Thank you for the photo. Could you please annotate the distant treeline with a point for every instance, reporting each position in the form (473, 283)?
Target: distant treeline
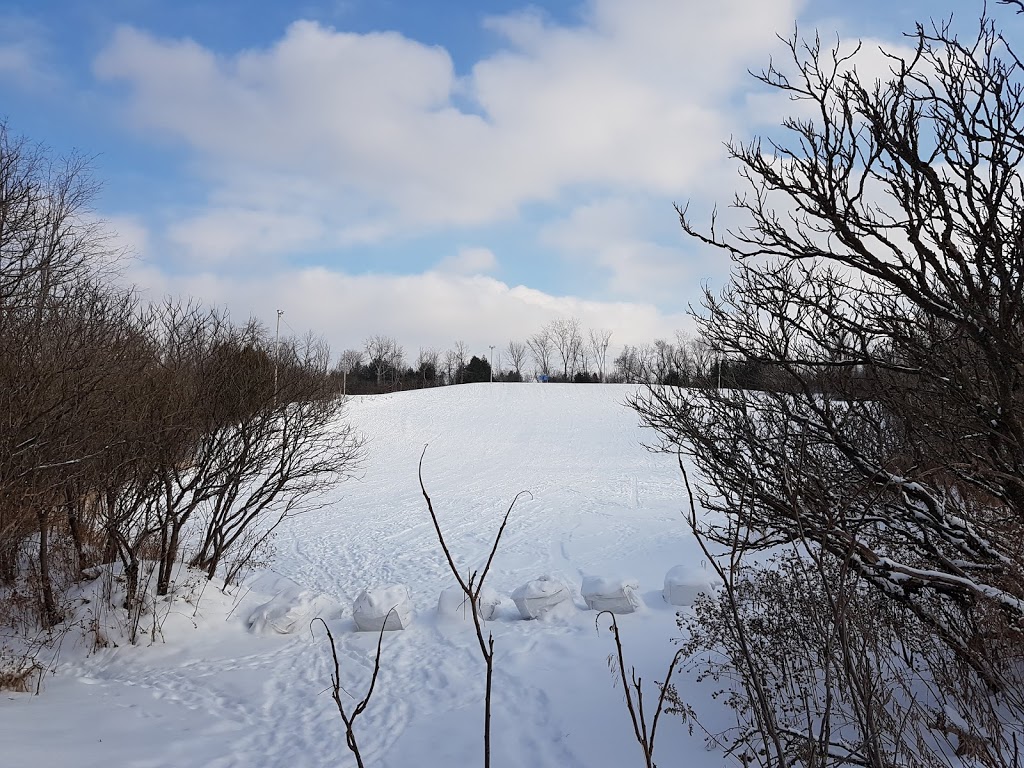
(561, 353)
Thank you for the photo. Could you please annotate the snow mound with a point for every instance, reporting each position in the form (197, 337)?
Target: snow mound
(615, 595)
(291, 610)
(453, 604)
(541, 596)
(683, 583)
(386, 607)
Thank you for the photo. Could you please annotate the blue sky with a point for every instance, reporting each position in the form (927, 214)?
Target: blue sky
(429, 169)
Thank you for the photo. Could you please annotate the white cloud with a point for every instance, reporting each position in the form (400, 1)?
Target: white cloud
(231, 235)
(127, 235)
(16, 61)
(469, 261)
(371, 126)
(25, 53)
(430, 309)
(328, 139)
(605, 233)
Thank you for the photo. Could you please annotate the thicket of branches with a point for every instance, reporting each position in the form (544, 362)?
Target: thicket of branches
(147, 435)
(879, 279)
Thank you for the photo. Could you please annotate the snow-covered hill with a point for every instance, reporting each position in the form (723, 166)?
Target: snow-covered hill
(215, 694)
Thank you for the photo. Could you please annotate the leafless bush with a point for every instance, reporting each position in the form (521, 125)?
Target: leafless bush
(349, 719)
(633, 691)
(125, 425)
(61, 334)
(876, 295)
(820, 671)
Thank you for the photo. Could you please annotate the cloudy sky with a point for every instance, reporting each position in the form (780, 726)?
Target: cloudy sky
(428, 169)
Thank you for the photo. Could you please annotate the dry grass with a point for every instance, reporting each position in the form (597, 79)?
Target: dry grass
(21, 674)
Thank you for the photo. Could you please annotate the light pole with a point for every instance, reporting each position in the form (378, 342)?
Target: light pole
(492, 362)
(277, 351)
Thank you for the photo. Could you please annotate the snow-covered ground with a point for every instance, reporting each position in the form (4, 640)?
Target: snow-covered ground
(213, 693)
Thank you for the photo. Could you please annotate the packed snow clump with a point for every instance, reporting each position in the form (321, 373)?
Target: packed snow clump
(683, 583)
(453, 604)
(615, 595)
(388, 606)
(291, 610)
(541, 596)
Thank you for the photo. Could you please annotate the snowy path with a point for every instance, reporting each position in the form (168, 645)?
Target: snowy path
(601, 505)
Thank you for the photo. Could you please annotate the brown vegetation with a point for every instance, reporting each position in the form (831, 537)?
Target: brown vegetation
(143, 435)
(878, 280)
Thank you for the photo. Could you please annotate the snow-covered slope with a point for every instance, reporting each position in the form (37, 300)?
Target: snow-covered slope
(600, 505)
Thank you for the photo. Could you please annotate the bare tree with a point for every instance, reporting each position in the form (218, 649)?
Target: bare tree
(566, 339)
(541, 347)
(58, 375)
(385, 355)
(461, 361)
(349, 362)
(133, 433)
(426, 365)
(701, 357)
(667, 363)
(47, 240)
(397, 365)
(60, 334)
(599, 341)
(276, 460)
(627, 366)
(884, 307)
(516, 351)
(451, 366)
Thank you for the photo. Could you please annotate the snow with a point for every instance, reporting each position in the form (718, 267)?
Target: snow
(615, 595)
(291, 610)
(207, 691)
(386, 607)
(454, 604)
(543, 597)
(683, 583)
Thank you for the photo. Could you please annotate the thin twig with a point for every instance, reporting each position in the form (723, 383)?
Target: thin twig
(336, 687)
(643, 737)
(473, 588)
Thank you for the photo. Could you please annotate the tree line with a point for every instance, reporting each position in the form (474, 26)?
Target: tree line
(559, 352)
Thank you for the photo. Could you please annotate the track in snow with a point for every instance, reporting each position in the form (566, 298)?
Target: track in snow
(601, 504)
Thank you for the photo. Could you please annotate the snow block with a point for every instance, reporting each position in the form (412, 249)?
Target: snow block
(683, 584)
(615, 595)
(290, 611)
(538, 597)
(453, 604)
(388, 607)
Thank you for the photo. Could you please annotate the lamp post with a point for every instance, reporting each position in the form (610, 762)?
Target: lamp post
(492, 362)
(277, 351)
